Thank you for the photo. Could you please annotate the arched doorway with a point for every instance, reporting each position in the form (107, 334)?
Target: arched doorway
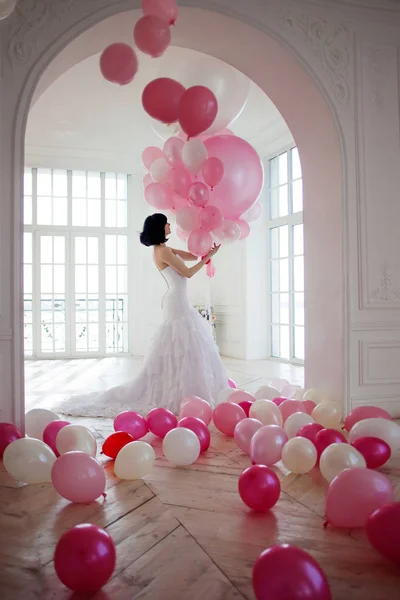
(301, 100)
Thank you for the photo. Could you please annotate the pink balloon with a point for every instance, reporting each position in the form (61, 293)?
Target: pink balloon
(85, 558)
(196, 407)
(259, 488)
(131, 422)
(213, 171)
(289, 407)
(243, 177)
(78, 477)
(226, 416)
(246, 404)
(147, 179)
(173, 151)
(161, 421)
(150, 154)
(161, 99)
(383, 531)
(375, 451)
(210, 269)
(181, 234)
(8, 434)
(308, 406)
(310, 431)
(180, 181)
(159, 196)
(284, 572)
(164, 9)
(244, 229)
(241, 396)
(210, 218)
(197, 110)
(354, 495)
(198, 194)
(152, 35)
(188, 218)
(266, 445)
(244, 432)
(365, 412)
(199, 428)
(279, 401)
(50, 434)
(232, 384)
(178, 203)
(119, 63)
(199, 243)
(326, 437)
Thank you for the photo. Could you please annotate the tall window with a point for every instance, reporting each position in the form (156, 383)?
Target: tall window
(75, 263)
(286, 256)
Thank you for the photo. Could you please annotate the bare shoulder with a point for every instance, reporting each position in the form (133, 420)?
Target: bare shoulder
(163, 251)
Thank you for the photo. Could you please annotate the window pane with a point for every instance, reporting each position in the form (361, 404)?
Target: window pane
(296, 166)
(274, 204)
(27, 247)
(28, 279)
(27, 210)
(46, 279)
(122, 187)
(283, 201)
(93, 279)
(111, 279)
(80, 280)
(44, 211)
(59, 338)
(28, 182)
(122, 214)
(298, 273)
(111, 249)
(284, 342)
(111, 186)
(59, 279)
(78, 184)
(111, 213)
(80, 251)
(79, 212)
(274, 276)
(59, 249)
(275, 308)
(284, 275)
(60, 185)
(299, 343)
(284, 241)
(283, 168)
(94, 185)
(273, 172)
(122, 280)
(298, 248)
(122, 249)
(275, 340)
(44, 182)
(299, 308)
(284, 308)
(46, 249)
(297, 196)
(93, 251)
(60, 211)
(94, 213)
(274, 242)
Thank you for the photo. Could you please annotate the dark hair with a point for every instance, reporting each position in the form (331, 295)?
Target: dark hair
(153, 232)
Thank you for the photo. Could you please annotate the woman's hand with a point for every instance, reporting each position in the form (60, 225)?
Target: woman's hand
(213, 251)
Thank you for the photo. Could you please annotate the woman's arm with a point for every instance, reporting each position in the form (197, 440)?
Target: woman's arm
(168, 257)
(184, 255)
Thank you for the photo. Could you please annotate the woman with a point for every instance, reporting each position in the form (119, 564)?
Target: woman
(183, 359)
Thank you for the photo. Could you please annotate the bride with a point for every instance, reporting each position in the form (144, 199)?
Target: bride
(183, 359)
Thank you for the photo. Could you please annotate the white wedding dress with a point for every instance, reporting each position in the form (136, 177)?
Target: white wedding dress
(183, 361)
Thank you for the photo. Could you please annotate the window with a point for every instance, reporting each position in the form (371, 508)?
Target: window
(286, 256)
(75, 263)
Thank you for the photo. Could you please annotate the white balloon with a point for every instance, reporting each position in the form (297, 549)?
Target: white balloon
(36, 421)
(267, 412)
(290, 391)
(299, 394)
(338, 457)
(135, 460)
(299, 455)
(253, 213)
(224, 395)
(163, 130)
(159, 170)
(295, 422)
(388, 431)
(29, 460)
(181, 446)
(6, 8)
(278, 383)
(194, 154)
(316, 396)
(266, 392)
(76, 437)
(328, 414)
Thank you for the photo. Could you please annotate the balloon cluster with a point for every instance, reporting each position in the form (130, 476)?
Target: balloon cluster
(152, 36)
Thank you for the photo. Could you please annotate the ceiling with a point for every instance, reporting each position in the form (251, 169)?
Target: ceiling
(82, 121)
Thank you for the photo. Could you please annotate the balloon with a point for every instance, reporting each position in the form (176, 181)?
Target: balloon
(29, 460)
(365, 412)
(152, 35)
(354, 495)
(266, 392)
(194, 154)
(232, 384)
(199, 243)
(151, 154)
(308, 406)
(178, 203)
(173, 151)
(279, 383)
(259, 488)
(76, 437)
(375, 451)
(78, 477)
(383, 531)
(8, 434)
(246, 404)
(161, 421)
(266, 445)
(115, 442)
(295, 422)
(388, 431)
(119, 63)
(158, 196)
(326, 437)
(289, 407)
(310, 431)
(278, 401)
(244, 432)
(244, 229)
(84, 558)
(284, 572)
(199, 428)
(197, 110)
(210, 269)
(226, 416)
(132, 423)
(181, 446)
(182, 235)
(210, 218)
(267, 412)
(6, 8)
(198, 194)
(243, 175)
(196, 407)
(159, 170)
(147, 179)
(299, 455)
(134, 461)
(228, 233)
(253, 213)
(241, 396)
(180, 181)
(165, 130)
(164, 9)
(293, 391)
(338, 457)
(161, 99)
(316, 395)
(188, 218)
(51, 432)
(36, 421)
(213, 171)
(328, 414)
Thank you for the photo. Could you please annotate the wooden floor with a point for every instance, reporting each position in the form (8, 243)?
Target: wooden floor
(181, 534)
